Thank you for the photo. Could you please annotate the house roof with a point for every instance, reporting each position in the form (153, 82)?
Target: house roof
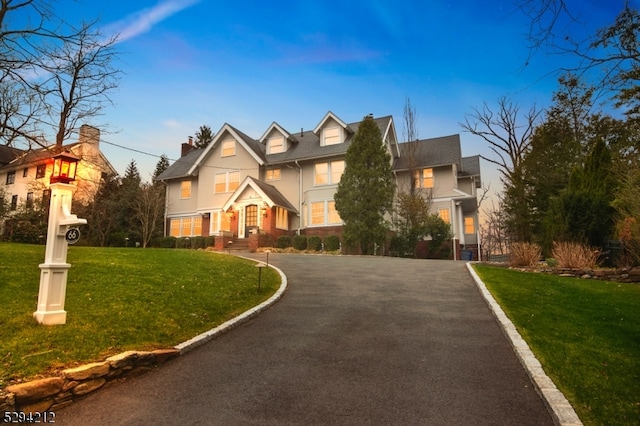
(471, 166)
(8, 154)
(429, 152)
(307, 144)
(268, 193)
(180, 168)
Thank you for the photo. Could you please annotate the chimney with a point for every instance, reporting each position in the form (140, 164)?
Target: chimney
(89, 135)
(187, 147)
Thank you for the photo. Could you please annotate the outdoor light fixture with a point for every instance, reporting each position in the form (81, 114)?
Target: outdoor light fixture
(65, 165)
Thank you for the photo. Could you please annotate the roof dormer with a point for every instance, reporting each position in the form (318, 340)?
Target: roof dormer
(331, 130)
(276, 139)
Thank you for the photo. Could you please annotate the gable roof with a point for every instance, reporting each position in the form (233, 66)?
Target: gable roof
(268, 193)
(432, 152)
(252, 146)
(276, 126)
(308, 146)
(326, 117)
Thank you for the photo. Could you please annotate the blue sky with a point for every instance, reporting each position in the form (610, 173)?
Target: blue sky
(192, 62)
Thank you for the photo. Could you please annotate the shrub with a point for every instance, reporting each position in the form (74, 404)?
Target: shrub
(524, 254)
(283, 241)
(331, 243)
(575, 255)
(314, 243)
(266, 240)
(300, 242)
(198, 243)
(163, 242)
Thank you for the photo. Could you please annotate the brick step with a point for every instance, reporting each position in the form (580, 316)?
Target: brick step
(239, 245)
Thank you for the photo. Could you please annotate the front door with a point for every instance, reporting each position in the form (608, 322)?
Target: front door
(250, 218)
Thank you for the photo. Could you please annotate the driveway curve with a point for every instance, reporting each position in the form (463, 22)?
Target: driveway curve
(354, 341)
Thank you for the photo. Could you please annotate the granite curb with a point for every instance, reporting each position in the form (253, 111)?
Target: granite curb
(56, 392)
(559, 407)
(203, 338)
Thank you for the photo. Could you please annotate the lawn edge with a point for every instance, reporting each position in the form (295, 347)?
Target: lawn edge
(207, 336)
(557, 404)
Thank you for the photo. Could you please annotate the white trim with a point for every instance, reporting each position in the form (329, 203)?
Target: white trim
(216, 139)
(277, 127)
(327, 116)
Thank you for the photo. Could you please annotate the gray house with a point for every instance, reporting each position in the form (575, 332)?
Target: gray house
(284, 182)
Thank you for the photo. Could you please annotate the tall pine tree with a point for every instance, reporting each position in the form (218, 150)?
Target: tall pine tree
(366, 189)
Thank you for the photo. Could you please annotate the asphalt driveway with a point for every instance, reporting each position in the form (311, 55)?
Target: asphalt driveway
(354, 341)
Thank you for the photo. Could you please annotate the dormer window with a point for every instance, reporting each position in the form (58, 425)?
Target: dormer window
(275, 145)
(331, 136)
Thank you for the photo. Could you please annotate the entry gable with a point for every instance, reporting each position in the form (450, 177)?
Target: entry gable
(266, 193)
(250, 145)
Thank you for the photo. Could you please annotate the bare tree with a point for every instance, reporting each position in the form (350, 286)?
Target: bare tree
(409, 150)
(507, 133)
(56, 74)
(148, 208)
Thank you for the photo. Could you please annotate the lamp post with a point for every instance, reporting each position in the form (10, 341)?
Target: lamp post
(53, 272)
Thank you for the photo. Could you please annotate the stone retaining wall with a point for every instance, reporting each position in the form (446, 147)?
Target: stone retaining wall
(52, 393)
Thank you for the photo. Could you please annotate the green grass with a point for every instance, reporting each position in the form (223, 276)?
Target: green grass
(586, 334)
(118, 299)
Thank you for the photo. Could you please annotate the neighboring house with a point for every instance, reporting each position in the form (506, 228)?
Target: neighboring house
(285, 182)
(24, 174)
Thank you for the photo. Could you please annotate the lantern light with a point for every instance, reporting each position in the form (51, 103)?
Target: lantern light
(64, 167)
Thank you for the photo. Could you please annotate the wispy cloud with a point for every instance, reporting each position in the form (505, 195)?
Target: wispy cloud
(144, 20)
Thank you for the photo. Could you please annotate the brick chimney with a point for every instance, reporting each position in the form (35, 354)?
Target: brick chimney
(89, 135)
(187, 147)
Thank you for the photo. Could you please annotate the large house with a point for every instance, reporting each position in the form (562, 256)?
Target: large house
(284, 182)
(24, 174)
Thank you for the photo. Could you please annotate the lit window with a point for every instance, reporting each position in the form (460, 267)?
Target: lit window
(175, 228)
(331, 136)
(317, 213)
(273, 174)
(228, 148)
(282, 218)
(469, 225)
(276, 144)
(427, 178)
(234, 181)
(227, 182)
(333, 215)
(185, 189)
(197, 226)
(337, 168)
(329, 173)
(322, 174)
(186, 227)
(444, 215)
(225, 222)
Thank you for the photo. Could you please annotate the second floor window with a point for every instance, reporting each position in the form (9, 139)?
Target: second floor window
(41, 171)
(226, 182)
(14, 202)
(424, 178)
(29, 199)
(11, 177)
(273, 174)
(329, 173)
(185, 189)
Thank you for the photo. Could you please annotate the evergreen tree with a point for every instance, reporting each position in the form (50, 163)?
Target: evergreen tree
(129, 194)
(366, 189)
(204, 136)
(161, 166)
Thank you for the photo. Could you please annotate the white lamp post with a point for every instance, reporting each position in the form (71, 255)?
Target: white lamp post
(53, 275)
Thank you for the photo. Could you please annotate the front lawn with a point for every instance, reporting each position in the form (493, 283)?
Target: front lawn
(586, 334)
(119, 299)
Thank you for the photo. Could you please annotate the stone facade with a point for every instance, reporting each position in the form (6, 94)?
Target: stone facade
(55, 392)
